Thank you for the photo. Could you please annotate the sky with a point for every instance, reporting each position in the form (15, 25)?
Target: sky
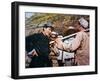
(28, 14)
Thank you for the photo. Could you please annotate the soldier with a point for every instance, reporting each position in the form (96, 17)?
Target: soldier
(54, 51)
(37, 46)
(80, 44)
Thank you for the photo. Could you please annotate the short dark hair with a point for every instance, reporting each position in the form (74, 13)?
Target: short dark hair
(48, 26)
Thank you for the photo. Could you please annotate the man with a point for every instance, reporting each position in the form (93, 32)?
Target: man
(37, 46)
(80, 44)
(54, 51)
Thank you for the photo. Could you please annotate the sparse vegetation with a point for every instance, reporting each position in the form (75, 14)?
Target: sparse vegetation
(61, 22)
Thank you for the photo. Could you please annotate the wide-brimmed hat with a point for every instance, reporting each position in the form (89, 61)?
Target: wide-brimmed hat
(54, 34)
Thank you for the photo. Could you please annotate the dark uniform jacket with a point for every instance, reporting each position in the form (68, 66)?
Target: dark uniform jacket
(40, 43)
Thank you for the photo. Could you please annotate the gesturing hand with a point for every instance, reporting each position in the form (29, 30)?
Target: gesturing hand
(34, 53)
(59, 42)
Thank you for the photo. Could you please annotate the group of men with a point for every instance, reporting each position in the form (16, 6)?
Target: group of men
(38, 45)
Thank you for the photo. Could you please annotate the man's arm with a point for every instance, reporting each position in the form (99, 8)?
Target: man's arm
(30, 46)
(73, 46)
(76, 42)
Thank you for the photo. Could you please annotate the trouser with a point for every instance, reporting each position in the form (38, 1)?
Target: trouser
(82, 59)
(60, 63)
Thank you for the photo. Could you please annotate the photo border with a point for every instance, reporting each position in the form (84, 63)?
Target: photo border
(15, 39)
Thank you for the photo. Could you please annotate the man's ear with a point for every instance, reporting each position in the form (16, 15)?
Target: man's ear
(43, 29)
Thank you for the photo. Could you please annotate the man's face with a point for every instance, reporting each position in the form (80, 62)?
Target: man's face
(77, 26)
(48, 30)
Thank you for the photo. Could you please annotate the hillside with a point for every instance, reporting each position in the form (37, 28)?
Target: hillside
(61, 22)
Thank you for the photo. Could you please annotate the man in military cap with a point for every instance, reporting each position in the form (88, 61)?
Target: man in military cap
(80, 44)
(54, 50)
(37, 46)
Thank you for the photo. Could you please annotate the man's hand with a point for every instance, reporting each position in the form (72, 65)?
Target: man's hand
(34, 53)
(58, 40)
(59, 43)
